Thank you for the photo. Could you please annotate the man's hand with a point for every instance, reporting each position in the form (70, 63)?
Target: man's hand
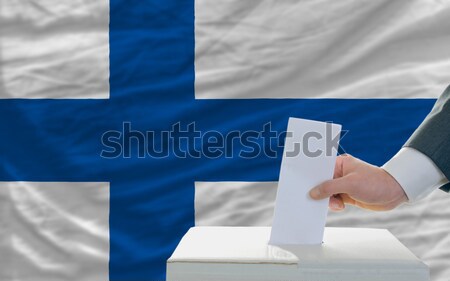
(361, 184)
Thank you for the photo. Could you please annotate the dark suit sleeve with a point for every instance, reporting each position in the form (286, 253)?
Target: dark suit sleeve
(432, 138)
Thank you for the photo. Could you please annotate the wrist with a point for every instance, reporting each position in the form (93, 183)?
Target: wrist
(397, 195)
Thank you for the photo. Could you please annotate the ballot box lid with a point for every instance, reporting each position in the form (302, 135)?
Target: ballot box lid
(344, 251)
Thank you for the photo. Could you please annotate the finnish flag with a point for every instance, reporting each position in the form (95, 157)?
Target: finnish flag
(71, 71)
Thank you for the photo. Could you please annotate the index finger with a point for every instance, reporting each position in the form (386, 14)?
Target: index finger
(331, 187)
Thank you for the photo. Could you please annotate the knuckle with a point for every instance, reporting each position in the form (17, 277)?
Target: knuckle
(346, 159)
(326, 189)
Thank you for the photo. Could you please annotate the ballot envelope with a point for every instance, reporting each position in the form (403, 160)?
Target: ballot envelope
(244, 254)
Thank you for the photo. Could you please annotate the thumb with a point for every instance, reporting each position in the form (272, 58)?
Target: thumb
(328, 188)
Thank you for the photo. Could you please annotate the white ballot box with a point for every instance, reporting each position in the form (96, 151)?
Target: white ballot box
(243, 254)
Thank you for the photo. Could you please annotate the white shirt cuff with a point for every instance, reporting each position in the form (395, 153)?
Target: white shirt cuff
(415, 172)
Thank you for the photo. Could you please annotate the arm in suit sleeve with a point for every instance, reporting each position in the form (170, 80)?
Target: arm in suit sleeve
(423, 164)
(432, 138)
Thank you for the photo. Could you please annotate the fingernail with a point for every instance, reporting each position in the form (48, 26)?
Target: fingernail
(335, 205)
(314, 193)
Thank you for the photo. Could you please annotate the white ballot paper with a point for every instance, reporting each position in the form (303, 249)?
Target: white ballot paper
(308, 159)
